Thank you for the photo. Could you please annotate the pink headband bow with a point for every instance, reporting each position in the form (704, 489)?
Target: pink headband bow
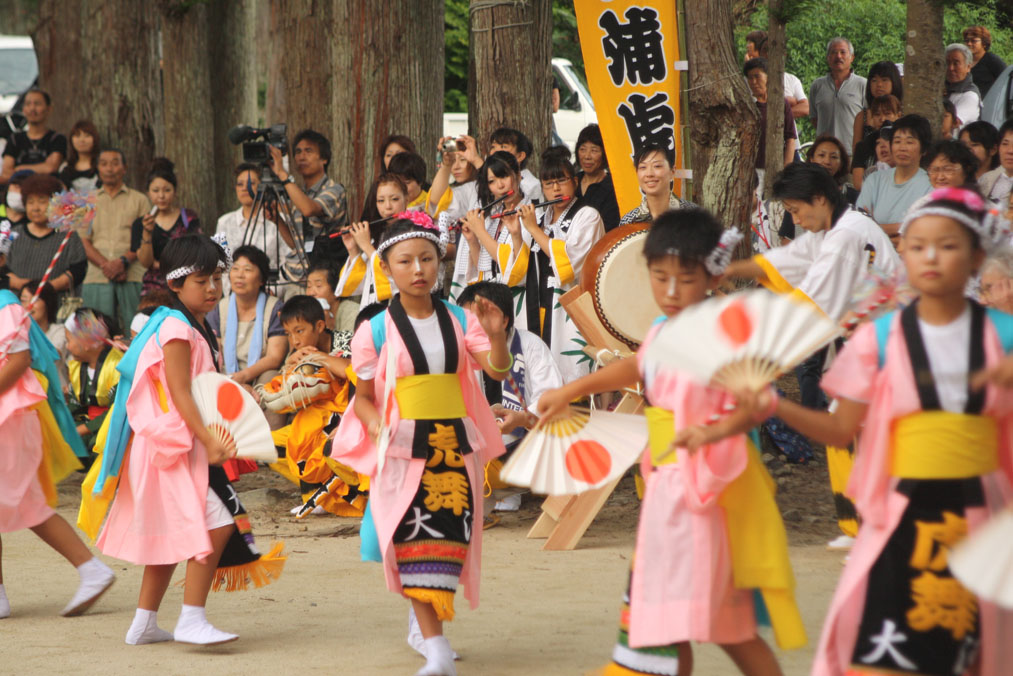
(968, 198)
(419, 218)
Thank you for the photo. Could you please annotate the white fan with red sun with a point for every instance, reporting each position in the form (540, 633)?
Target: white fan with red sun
(233, 416)
(576, 452)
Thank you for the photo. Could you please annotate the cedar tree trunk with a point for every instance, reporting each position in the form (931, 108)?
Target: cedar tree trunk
(510, 70)
(925, 63)
(774, 161)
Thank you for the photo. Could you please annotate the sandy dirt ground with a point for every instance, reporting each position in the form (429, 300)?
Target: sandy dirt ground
(541, 612)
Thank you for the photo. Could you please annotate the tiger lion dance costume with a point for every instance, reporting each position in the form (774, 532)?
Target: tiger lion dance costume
(317, 399)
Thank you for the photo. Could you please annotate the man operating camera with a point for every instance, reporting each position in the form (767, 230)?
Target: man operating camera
(321, 204)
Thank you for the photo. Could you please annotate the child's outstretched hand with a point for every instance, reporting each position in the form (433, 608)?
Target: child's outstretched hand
(692, 438)
(1001, 375)
(490, 317)
(552, 404)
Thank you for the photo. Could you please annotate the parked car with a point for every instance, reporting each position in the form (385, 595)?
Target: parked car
(576, 109)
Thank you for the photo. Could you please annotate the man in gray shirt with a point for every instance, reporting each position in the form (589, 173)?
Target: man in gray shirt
(837, 97)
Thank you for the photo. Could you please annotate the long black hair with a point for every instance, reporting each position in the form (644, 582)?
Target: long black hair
(501, 164)
(806, 182)
(203, 254)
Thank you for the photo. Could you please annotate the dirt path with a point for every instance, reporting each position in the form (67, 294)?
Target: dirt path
(542, 613)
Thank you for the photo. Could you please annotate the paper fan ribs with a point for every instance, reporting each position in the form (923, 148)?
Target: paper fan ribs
(742, 341)
(233, 416)
(576, 452)
(984, 561)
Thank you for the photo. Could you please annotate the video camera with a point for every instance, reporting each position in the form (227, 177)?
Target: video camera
(256, 151)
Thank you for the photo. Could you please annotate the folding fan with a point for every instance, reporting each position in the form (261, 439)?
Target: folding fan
(742, 341)
(576, 452)
(984, 561)
(233, 416)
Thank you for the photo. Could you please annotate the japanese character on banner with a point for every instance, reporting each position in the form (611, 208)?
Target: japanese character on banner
(635, 48)
(648, 120)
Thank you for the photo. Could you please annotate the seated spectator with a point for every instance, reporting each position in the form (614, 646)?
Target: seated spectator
(248, 321)
(983, 140)
(829, 153)
(794, 92)
(81, 170)
(997, 281)
(239, 230)
(92, 373)
(960, 87)
(148, 304)
(883, 110)
(986, 66)
(884, 155)
(951, 123)
(887, 194)
(303, 321)
(594, 181)
(756, 78)
(655, 174)
(320, 283)
(12, 212)
(391, 146)
(44, 314)
(995, 185)
(884, 80)
(321, 203)
(36, 242)
(951, 163)
(411, 168)
(150, 233)
(38, 148)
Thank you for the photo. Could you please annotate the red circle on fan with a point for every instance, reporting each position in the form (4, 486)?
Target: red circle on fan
(736, 323)
(230, 401)
(588, 461)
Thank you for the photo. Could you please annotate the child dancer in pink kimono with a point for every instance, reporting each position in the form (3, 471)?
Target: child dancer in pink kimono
(934, 460)
(165, 511)
(692, 577)
(26, 471)
(416, 386)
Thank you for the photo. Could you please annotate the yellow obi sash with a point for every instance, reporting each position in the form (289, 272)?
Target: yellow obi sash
(430, 397)
(660, 435)
(944, 445)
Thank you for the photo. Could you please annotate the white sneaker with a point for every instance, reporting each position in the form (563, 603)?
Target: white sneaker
(841, 542)
(509, 504)
(96, 578)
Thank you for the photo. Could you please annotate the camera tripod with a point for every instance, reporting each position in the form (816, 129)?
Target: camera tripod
(272, 198)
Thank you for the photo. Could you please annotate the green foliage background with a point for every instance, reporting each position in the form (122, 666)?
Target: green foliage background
(875, 27)
(455, 93)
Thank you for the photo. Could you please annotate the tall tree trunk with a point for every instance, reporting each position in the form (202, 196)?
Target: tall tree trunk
(391, 61)
(510, 69)
(925, 63)
(99, 59)
(774, 162)
(388, 63)
(234, 55)
(725, 130)
(189, 122)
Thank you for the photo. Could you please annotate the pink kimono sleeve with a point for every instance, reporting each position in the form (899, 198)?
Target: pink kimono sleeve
(709, 471)
(853, 373)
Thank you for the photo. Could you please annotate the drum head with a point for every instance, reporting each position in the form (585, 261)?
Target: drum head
(616, 276)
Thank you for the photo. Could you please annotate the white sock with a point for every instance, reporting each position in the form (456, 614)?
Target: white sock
(144, 629)
(193, 627)
(415, 638)
(439, 658)
(5, 605)
(96, 578)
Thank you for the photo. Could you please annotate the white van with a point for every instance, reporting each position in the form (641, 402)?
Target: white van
(18, 69)
(576, 110)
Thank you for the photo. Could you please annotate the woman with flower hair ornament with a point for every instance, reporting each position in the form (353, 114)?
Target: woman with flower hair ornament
(420, 427)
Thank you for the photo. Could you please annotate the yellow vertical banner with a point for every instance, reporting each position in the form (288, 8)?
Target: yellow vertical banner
(631, 53)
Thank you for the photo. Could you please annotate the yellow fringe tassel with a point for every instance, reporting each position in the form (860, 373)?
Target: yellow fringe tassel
(258, 573)
(441, 601)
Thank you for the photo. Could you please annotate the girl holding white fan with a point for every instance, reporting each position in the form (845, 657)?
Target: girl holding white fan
(934, 458)
(173, 501)
(694, 574)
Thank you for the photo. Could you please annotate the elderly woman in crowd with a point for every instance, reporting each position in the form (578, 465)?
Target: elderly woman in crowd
(986, 66)
(997, 281)
(951, 163)
(960, 88)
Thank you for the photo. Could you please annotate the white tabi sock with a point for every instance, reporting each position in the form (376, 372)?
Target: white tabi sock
(193, 627)
(96, 578)
(439, 658)
(144, 629)
(5, 605)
